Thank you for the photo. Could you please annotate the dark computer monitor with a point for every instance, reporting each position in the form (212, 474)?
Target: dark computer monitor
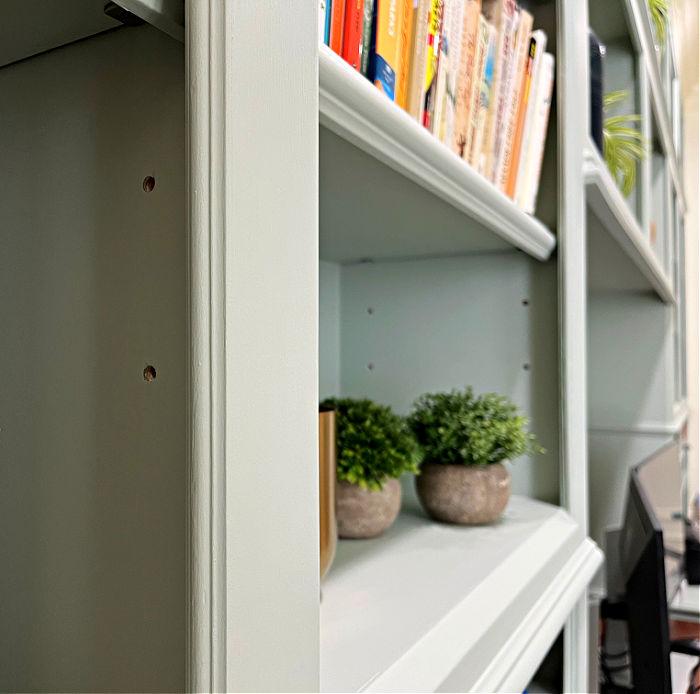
(643, 573)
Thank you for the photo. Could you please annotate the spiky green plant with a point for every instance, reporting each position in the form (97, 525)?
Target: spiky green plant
(659, 10)
(623, 144)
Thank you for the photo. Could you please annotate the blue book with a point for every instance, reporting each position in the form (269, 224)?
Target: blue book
(327, 34)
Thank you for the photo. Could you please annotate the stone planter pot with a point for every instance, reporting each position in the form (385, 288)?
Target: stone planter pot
(362, 513)
(462, 494)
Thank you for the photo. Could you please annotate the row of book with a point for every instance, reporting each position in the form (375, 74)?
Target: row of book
(473, 72)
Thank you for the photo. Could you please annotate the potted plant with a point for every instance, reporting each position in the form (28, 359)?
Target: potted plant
(464, 440)
(375, 447)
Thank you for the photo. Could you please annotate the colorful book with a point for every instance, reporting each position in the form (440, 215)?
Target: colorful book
(335, 40)
(432, 58)
(513, 88)
(443, 69)
(522, 113)
(541, 39)
(502, 14)
(527, 196)
(352, 33)
(470, 26)
(482, 44)
(485, 93)
(419, 47)
(384, 61)
(404, 52)
(454, 41)
(328, 14)
(368, 14)
(322, 7)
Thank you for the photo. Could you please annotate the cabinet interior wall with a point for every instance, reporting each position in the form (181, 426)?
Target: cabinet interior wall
(384, 335)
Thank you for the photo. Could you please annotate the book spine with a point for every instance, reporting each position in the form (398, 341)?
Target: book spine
(327, 30)
(470, 26)
(416, 80)
(455, 55)
(520, 180)
(337, 17)
(520, 58)
(368, 14)
(404, 51)
(510, 25)
(477, 76)
(352, 32)
(443, 69)
(322, 7)
(386, 52)
(528, 199)
(520, 120)
(502, 14)
(477, 157)
(432, 57)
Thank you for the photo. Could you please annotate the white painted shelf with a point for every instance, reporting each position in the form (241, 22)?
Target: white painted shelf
(357, 190)
(607, 204)
(429, 606)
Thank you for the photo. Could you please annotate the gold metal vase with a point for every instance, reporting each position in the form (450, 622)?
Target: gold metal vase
(326, 481)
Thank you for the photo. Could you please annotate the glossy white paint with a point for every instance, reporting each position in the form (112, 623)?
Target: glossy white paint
(607, 203)
(253, 360)
(493, 600)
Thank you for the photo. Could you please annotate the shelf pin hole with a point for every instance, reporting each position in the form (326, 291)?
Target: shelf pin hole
(149, 373)
(370, 366)
(149, 183)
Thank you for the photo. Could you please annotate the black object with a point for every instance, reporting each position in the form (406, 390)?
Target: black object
(596, 52)
(692, 556)
(111, 9)
(644, 605)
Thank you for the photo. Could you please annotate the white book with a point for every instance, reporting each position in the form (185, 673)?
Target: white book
(455, 53)
(443, 68)
(533, 165)
(322, 20)
(541, 45)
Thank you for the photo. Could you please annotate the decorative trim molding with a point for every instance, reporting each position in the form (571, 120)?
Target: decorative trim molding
(355, 110)
(206, 666)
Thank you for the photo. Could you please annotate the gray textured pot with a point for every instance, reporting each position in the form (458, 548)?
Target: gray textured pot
(462, 494)
(362, 513)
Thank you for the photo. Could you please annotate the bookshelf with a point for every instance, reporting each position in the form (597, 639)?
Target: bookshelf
(329, 246)
(354, 110)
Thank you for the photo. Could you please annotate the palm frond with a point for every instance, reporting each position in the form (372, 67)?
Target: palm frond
(624, 145)
(659, 10)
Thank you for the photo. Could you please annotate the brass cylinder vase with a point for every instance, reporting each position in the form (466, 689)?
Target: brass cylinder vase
(326, 481)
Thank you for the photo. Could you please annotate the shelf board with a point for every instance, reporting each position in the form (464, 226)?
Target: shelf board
(401, 175)
(35, 26)
(430, 606)
(643, 38)
(618, 224)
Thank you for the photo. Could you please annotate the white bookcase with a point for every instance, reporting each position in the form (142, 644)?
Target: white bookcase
(305, 238)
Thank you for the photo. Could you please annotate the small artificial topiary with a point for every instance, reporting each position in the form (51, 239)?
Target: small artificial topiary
(374, 444)
(459, 428)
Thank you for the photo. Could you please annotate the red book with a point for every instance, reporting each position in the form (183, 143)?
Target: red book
(352, 34)
(337, 17)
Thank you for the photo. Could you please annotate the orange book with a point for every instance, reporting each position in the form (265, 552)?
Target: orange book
(404, 52)
(520, 122)
(337, 21)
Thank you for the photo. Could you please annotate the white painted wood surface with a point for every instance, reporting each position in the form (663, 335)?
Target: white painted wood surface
(573, 107)
(434, 607)
(609, 206)
(354, 109)
(254, 376)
